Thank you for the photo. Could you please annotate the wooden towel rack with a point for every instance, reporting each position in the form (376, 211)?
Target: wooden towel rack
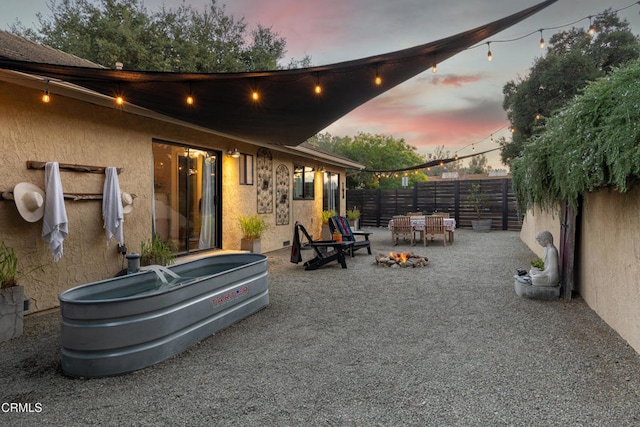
(8, 195)
(33, 164)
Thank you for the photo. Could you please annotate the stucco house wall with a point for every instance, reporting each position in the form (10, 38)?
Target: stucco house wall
(607, 254)
(71, 131)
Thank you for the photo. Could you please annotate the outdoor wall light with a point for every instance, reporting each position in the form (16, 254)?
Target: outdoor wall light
(233, 153)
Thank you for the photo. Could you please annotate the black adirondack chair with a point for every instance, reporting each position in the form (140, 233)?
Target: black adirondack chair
(326, 251)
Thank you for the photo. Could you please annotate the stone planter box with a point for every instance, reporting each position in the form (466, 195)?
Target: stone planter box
(251, 245)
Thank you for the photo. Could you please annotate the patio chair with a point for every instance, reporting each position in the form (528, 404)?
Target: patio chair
(401, 228)
(326, 251)
(434, 226)
(340, 225)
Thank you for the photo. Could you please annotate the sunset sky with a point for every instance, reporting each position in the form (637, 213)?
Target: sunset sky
(459, 107)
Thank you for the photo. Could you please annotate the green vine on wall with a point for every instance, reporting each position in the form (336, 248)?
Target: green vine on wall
(592, 143)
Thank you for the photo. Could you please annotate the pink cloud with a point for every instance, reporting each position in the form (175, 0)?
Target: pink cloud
(454, 80)
(426, 129)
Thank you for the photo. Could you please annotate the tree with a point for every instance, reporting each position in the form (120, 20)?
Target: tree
(376, 153)
(440, 153)
(572, 60)
(183, 39)
(479, 165)
(594, 142)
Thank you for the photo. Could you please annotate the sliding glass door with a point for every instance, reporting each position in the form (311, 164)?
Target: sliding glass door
(186, 196)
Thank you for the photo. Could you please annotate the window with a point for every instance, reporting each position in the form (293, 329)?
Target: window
(246, 169)
(186, 188)
(303, 182)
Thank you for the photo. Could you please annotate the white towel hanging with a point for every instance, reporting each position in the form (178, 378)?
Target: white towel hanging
(112, 211)
(55, 226)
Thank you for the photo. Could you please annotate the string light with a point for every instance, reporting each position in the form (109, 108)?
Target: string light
(541, 40)
(190, 100)
(434, 68)
(592, 29)
(45, 96)
(378, 79)
(119, 100)
(255, 95)
(489, 54)
(318, 88)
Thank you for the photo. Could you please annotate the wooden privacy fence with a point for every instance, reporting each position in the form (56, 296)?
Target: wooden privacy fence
(377, 207)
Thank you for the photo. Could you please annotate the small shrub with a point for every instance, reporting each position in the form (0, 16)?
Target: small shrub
(252, 226)
(156, 252)
(537, 263)
(328, 214)
(353, 214)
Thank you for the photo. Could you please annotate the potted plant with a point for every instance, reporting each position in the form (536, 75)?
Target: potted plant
(477, 200)
(353, 215)
(11, 295)
(156, 252)
(537, 264)
(326, 231)
(252, 227)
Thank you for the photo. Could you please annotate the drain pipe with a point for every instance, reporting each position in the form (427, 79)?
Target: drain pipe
(133, 263)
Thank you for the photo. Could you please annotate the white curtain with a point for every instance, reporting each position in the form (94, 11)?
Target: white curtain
(207, 228)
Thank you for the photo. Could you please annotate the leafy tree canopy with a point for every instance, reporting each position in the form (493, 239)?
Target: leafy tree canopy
(573, 59)
(441, 153)
(182, 40)
(479, 165)
(592, 143)
(376, 152)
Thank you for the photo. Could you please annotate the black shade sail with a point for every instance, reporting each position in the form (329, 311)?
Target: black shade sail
(288, 110)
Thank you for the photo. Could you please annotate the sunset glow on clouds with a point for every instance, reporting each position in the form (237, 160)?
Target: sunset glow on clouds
(458, 106)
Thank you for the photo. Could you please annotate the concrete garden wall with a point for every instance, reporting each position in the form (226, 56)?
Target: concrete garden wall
(607, 256)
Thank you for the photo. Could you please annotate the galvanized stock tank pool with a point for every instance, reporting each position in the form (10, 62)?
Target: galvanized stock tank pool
(123, 324)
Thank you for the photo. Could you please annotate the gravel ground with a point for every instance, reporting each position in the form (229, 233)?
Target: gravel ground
(450, 344)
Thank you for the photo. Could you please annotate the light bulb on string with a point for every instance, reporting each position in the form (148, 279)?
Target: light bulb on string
(318, 88)
(592, 28)
(378, 79)
(541, 40)
(255, 95)
(434, 68)
(119, 100)
(45, 96)
(189, 100)
(489, 54)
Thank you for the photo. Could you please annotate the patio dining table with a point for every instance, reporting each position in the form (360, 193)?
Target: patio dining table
(417, 222)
